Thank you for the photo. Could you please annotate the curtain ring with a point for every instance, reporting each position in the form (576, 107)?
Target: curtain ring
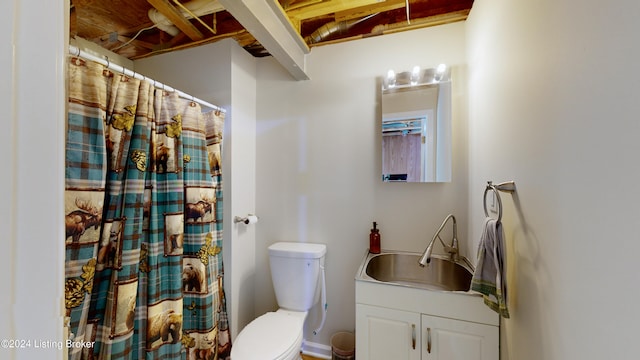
(108, 62)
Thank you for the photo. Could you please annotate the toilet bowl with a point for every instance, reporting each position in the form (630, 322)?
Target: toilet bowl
(295, 273)
(274, 335)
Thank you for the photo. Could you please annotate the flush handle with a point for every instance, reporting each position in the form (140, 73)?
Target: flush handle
(429, 340)
(413, 336)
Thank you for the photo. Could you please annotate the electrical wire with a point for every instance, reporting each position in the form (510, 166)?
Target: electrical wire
(134, 37)
(407, 7)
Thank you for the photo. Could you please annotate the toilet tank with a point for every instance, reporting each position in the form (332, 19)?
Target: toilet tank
(295, 272)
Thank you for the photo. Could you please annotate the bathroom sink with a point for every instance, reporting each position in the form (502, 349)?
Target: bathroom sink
(394, 280)
(403, 269)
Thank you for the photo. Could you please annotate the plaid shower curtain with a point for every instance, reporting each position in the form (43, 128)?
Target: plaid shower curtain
(143, 205)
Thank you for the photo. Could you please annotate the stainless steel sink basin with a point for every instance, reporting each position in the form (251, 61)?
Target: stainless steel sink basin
(403, 269)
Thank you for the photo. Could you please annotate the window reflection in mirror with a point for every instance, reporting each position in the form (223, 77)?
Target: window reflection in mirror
(416, 126)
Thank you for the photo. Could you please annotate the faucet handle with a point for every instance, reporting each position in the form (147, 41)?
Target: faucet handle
(453, 252)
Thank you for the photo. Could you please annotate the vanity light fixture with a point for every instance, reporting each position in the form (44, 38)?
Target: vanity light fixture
(416, 77)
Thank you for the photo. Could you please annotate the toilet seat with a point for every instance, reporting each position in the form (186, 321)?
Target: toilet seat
(274, 335)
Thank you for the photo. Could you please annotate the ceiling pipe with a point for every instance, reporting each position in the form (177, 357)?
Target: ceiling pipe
(195, 7)
(333, 27)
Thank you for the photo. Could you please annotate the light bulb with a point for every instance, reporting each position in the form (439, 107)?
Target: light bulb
(391, 78)
(415, 75)
(440, 71)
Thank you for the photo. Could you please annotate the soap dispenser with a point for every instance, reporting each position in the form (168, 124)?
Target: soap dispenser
(374, 240)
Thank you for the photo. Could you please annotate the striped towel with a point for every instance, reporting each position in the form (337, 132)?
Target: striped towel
(489, 277)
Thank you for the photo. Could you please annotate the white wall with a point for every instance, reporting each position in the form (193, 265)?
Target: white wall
(7, 147)
(319, 167)
(224, 75)
(32, 97)
(553, 105)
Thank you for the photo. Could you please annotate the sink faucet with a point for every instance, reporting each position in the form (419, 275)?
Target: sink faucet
(452, 250)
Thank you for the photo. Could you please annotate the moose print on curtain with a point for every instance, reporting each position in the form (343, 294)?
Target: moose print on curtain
(143, 205)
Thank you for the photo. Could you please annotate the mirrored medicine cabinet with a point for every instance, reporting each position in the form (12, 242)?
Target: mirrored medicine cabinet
(416, 125)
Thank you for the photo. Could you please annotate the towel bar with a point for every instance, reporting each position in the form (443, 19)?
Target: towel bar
(507, 186)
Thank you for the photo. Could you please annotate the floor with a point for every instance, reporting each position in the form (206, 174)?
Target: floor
(307, 357)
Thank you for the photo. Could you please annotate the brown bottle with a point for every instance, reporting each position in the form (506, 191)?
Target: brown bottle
(374, 240)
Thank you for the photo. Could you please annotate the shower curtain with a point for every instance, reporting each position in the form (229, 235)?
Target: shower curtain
(143, 205)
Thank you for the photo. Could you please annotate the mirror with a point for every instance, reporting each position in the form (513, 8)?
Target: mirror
(416, 126)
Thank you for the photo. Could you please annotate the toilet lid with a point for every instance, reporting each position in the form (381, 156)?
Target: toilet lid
(269, 336)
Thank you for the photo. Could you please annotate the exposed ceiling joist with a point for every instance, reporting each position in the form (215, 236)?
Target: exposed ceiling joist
(329, 7)
(268, 23)
(362, 11)
(176, 17)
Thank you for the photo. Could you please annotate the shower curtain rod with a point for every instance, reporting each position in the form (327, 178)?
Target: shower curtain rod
(75, 51)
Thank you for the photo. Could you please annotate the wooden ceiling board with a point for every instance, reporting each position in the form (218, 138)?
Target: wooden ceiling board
(362, 11)
(327, 7)
(101, 17)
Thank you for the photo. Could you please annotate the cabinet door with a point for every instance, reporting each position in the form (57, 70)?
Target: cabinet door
(447, 339)
(383, 334)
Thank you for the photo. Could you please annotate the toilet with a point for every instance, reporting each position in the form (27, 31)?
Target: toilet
(296, 269)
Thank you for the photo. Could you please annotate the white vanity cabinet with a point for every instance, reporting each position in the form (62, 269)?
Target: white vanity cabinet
(400, 322)
(448, 339)
(383, 334)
